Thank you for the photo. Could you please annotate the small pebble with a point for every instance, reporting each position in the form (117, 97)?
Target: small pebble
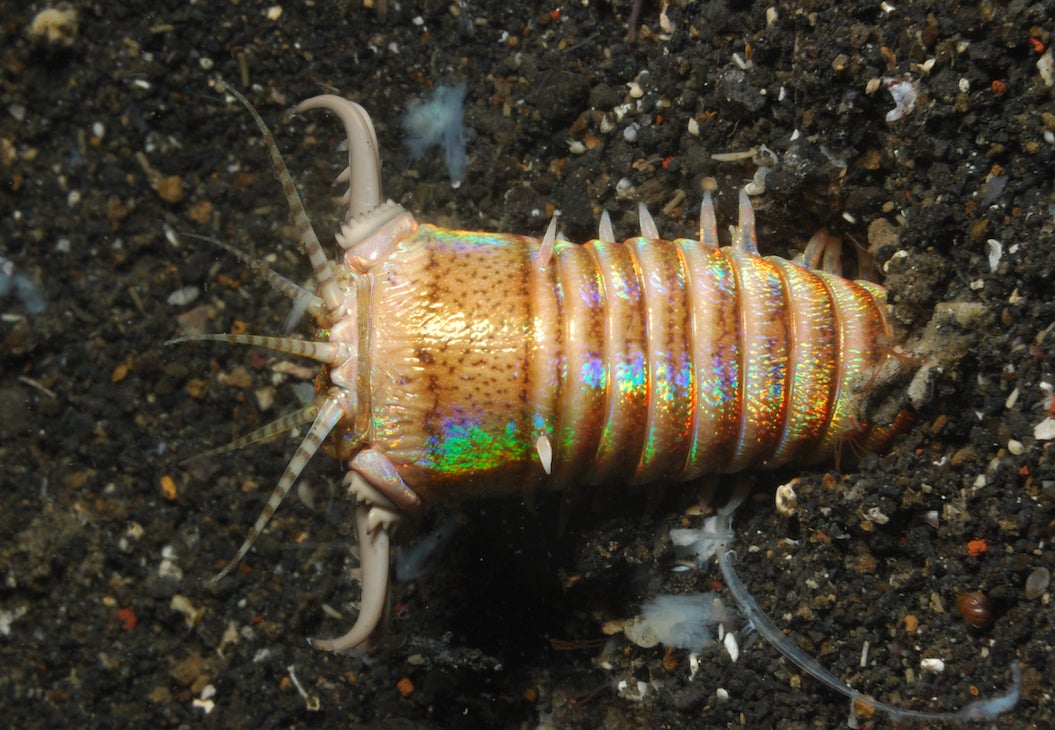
(168, 488)
(974, 607)
(169, 188)
(405, 687)
(1046, 67)
(201, 212)
(1037, 583)
(119, 373)
(932, 664)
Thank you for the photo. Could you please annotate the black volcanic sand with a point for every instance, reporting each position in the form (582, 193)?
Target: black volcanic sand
(115, 148)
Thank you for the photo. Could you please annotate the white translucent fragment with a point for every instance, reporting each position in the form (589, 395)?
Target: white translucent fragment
(877, 516)
(664, 20)
(785, 499)
(1011, 399)
(9, 616)
(1045, 430)
(757, 186)
(168, 570)
(192, 615)
(926, 66)
(439, 122)
(731, 647)
(634, 692)
(904, 91)
(1046, 67)
(183, 297)
(996, 250)
(734, 156)
(683, 621)
(702, 544)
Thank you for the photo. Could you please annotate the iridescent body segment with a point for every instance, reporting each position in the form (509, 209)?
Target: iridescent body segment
(460, 364)
(639, 361)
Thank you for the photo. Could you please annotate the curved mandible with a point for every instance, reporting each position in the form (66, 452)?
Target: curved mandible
(363, 173)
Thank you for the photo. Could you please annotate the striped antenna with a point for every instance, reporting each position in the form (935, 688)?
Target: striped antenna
(325, 274)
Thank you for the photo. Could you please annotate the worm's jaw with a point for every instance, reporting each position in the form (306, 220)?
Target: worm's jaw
(383, 502)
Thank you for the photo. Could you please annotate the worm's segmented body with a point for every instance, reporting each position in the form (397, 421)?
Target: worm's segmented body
(636, 361)
(461, 364)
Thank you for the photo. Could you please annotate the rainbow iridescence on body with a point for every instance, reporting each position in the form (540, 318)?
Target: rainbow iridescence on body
(638, 361)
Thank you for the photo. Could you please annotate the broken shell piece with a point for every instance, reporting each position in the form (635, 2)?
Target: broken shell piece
(786, 501)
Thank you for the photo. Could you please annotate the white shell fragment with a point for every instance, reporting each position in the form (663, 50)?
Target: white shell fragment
(731, 647)
(1045, 430)
(183, 297)
(734, 156)
(785, 499)
(931, 664)
(633, 691)
(1046, 67)
(192, 615)
(996, 250)
(904, 91)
